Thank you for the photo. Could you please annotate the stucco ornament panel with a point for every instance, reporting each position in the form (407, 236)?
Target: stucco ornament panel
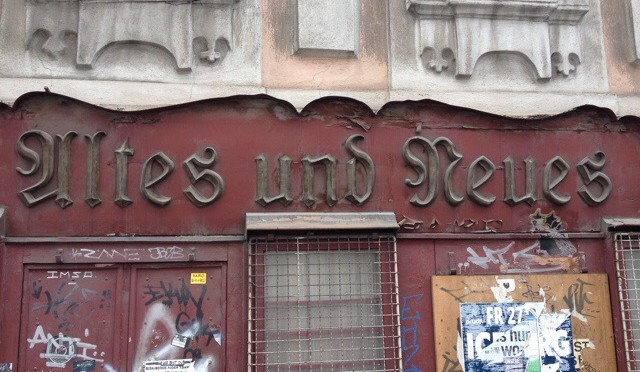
(139, 40)
(327, 27)
(172, 25)
(459, 32)
(633, 16)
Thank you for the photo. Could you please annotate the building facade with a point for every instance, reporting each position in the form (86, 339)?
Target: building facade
(419, 185)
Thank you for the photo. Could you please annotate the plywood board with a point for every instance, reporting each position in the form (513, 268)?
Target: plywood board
(586, 296)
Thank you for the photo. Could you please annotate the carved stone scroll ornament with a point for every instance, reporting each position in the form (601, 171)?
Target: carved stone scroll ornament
(175, 26)
(550, 181)
(510, 182)
(64, 163)
(473, 184)
(262, 181)
(192, 166)
(431, 174)
(362, 158)
(589, 170)
(330, 164)
(93, 168)
(44, 164)
(545, 32)
(149, 180)
(122, 155)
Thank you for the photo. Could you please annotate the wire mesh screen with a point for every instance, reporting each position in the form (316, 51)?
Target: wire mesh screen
(323, 304)
(627, 247)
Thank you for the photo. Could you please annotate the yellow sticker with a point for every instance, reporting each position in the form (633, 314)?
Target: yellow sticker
(198, 278)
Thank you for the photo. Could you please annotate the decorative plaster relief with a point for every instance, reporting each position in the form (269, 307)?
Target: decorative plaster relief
(633, 10)
(89, 26)
(543, 31)
(327, 27)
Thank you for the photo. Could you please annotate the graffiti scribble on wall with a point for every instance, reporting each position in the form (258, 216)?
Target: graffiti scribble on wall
(514, 259)
(552, 252)
(61, 349)
(409, 315)
(63, 302)
(178, 309)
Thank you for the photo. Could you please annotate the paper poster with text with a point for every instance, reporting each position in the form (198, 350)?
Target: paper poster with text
(518, 337)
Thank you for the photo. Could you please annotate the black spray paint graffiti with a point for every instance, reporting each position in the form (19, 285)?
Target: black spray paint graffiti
(535, 294)
(409, 335)
(555, 242)
(64, 302)
(187, 323)
(459, 294)
(577, 298)
(450, 364)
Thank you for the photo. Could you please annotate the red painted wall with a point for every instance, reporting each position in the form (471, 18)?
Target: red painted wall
(434, 240)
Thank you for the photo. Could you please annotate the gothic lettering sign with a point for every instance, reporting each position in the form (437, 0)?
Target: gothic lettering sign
(71, 168)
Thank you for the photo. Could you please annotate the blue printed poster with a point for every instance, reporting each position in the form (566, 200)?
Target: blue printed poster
(518, 337)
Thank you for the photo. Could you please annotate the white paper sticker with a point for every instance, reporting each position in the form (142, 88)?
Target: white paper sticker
(180, 341)
(172, 365)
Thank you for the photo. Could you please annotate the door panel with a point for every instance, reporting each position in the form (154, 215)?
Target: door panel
(178, 312)
(68, 318)
(82, 317)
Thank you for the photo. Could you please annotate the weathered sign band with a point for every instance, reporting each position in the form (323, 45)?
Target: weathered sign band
(259, 155)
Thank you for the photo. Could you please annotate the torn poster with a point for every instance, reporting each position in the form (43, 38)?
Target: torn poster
(518, 337)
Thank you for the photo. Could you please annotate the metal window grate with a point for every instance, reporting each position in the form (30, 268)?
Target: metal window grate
(323, 304)
(627, 248)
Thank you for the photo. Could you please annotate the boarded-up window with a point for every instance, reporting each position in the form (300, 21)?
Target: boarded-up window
(493, 342)
(326, 304)
(627, 248)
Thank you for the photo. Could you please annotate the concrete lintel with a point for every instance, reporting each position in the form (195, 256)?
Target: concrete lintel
(320, 221)
(609, 224)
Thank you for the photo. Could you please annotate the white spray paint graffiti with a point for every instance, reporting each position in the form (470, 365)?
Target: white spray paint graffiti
(54, 274)
(159, 316)
(129, 254)
(530, 259)
(495, 256)
(61, 349)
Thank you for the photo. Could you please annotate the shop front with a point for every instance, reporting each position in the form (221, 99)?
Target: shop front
(237, 234)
